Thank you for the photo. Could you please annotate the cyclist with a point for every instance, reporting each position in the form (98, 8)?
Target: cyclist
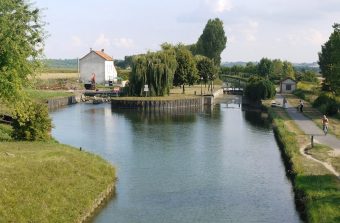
(325, 123)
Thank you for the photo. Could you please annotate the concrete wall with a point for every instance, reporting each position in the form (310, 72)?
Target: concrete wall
(92, 63)
(161, 104)
(53, 104)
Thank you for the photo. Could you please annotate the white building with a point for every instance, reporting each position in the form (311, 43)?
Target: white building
(287, 85)
(100, 64)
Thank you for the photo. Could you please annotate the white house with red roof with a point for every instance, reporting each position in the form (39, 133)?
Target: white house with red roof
(98, 64)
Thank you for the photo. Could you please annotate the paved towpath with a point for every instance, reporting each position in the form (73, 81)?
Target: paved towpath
(309, 127)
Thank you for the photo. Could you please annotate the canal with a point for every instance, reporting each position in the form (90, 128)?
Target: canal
(219, 165)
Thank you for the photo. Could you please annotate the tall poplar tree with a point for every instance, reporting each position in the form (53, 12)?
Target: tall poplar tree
(212, 41)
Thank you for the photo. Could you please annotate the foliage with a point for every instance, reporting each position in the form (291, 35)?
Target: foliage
(259, 88)
(329, 60)
(306, 75)
(300, 93)
(206, 68)
(212, 41)
(265, 67)
(31, 121)
(5, 132)
(326, 104)
(21, 42)
(50, 182)
(124, 74)
(287, 70)
(60, 65)
(186, 71)
(155, 70)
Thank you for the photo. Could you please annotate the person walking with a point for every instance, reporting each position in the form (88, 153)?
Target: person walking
(325, 123)
(301, 106)
(284, 102)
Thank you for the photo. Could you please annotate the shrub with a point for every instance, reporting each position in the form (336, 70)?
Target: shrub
(300, 93)
(326, 104)
(259, 88)
(31, 122)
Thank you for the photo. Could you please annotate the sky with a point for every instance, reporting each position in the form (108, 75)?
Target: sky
(292, 30)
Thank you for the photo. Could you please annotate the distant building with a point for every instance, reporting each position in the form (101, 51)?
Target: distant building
(100, 64)
(287, 85)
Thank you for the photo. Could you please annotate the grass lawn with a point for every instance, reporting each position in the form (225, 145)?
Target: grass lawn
(316, 188)
(49, 182)
(43, 95)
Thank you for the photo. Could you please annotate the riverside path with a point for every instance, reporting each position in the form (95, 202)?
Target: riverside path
(309, 127)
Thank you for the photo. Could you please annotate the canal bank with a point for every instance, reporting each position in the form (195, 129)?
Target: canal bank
(317, 191)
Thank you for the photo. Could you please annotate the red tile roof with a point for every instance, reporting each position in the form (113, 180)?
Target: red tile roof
(104, 55)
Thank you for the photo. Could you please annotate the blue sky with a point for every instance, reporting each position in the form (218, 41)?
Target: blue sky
(292, 30)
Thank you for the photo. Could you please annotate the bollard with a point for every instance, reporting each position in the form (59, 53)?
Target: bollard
(312, 141)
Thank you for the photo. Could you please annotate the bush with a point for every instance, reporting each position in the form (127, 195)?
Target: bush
(300, 93)
(259, 88)
(326, 104)
(31, 122)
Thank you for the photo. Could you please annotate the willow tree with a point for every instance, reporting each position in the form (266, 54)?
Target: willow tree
(155, 70)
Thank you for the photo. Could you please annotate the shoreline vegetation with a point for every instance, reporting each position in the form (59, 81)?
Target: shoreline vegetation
(51, 182)
(317, 191)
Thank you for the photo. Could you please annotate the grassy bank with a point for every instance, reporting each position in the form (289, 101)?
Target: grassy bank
(49, 182)
(317, 191)
(44, 95)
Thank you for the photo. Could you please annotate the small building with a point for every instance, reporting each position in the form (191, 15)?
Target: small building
(99, 65)
(287, 85)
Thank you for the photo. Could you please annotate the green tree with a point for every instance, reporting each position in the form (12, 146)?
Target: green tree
(207, 70)
(277, 69)
(186, 72)
(329, 60)
(155, 70)
(265, 67)
(288, 70)
(259, 88)
(212, 41)
(21, 45)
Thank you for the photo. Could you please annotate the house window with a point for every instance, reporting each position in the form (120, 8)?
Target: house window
(288, 87)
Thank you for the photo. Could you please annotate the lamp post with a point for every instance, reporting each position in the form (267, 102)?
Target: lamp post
(201, 85)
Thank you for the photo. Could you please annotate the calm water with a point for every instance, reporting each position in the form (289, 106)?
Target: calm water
(214, 166)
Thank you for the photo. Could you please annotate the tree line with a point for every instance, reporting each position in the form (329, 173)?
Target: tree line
(178, 65)
(275, 70)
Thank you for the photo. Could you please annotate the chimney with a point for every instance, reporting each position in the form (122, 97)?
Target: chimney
(90, 49)
(102, 50)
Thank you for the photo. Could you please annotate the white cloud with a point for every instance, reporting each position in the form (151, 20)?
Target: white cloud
(102, 41)
(123, 42)
(219, 6)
